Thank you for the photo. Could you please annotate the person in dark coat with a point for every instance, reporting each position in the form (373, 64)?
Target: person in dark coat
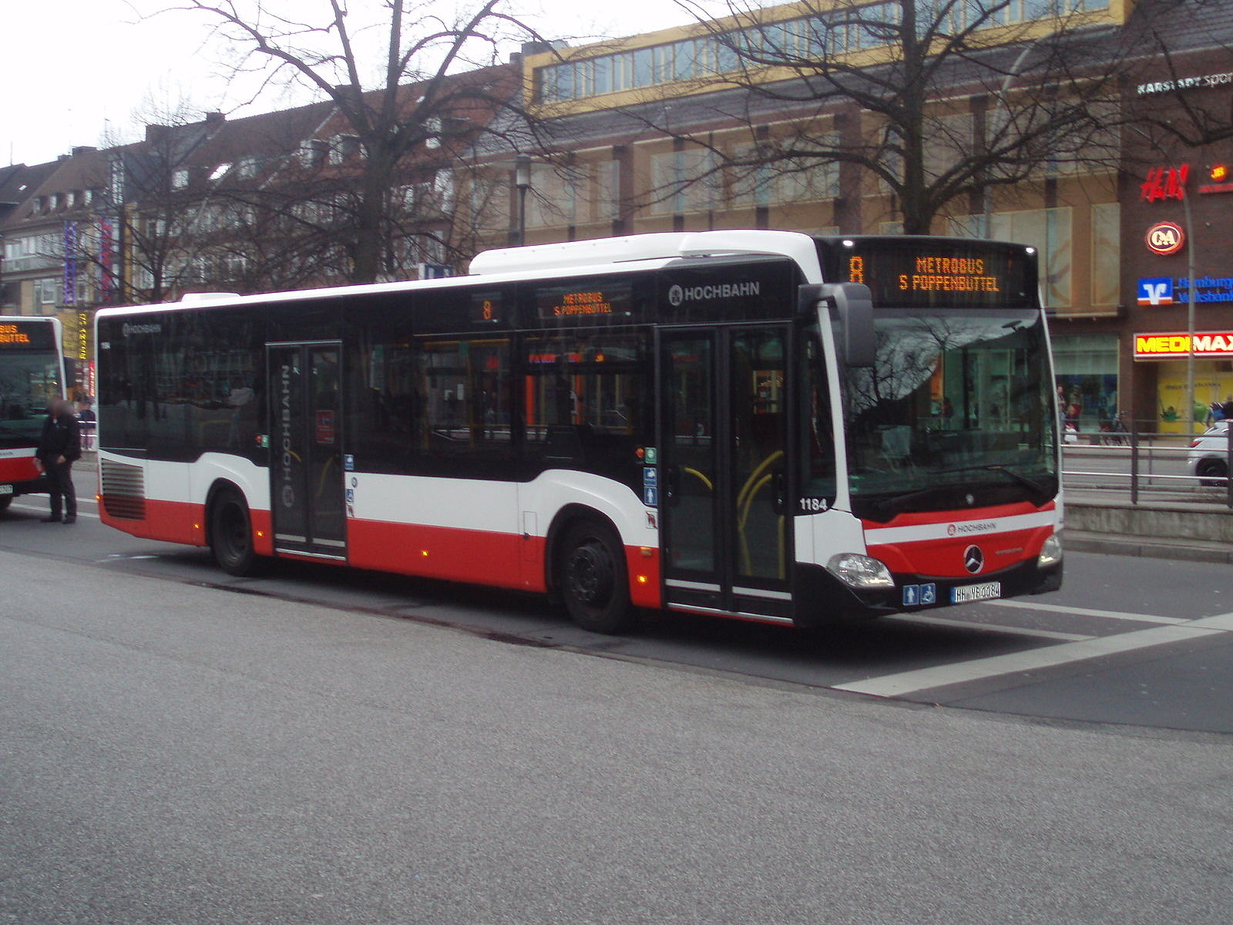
(59, 447)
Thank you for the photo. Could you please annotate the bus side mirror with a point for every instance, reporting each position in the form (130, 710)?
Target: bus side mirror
(852, 303)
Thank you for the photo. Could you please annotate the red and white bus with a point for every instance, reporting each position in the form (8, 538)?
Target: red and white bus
(753, 424)
(31, 373)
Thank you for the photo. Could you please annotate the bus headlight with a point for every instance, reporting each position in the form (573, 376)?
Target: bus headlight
(1051, 552)
(857, 571)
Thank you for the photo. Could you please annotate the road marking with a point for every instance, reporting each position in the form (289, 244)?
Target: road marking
(42, 509)
(911, 682)
(1088, 612)
(994, 627)
(1222, 621)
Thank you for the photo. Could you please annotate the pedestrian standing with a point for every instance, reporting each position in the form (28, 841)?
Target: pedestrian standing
(59, 446)
(87, 421)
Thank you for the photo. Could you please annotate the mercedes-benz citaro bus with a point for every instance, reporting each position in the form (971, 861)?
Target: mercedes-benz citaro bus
(752, 424)
(31, 374)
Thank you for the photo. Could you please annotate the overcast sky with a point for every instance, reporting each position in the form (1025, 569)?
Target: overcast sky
(74, 70)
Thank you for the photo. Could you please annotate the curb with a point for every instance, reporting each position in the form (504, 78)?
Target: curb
(1146, 547)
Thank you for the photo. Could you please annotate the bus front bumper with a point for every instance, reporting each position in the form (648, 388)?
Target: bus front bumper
(823, 598)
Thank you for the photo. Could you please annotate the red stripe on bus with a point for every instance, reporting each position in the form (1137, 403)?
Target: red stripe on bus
(479, 557)
(503, 560)
(944, 558)
(169, 521)
(18, 469)
(448, 553)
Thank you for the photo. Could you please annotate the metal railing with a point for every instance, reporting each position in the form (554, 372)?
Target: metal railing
(1136, 464)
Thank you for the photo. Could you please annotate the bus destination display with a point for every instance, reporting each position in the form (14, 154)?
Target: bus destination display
(607, 303)
(923, 272)
(35, 335)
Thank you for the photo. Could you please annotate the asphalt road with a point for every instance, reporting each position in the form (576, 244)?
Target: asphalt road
(179, 753)
(1134, 642)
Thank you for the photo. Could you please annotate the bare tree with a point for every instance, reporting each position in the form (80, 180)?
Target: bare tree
(431, 94)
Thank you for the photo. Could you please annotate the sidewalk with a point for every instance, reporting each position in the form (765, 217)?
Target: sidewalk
(1200, 531)
(1148, 547)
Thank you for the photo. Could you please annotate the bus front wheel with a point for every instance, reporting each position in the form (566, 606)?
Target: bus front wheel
(5, 501)
(593, 580)
(231, 534)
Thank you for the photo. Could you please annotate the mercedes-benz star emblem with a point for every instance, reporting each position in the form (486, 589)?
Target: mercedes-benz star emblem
(973, 559)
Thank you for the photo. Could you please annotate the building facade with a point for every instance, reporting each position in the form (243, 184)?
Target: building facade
(1086, 128)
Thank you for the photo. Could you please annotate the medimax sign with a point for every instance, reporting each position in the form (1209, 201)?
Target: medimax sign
(1169, 346)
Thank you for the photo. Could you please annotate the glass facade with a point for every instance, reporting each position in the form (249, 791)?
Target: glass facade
(847, 28)
(1087, 380)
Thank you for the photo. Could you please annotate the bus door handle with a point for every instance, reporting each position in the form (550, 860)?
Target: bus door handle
(780, 487)
(672, 483)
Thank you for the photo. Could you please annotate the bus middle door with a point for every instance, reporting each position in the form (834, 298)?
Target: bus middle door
(307, 494)
(725, 513)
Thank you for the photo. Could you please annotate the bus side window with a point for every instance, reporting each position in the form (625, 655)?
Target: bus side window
(584, 397)
(383, 404)
(465, 385)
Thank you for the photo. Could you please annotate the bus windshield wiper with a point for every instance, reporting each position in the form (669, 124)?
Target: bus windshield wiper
(895, 503)
(1029, 483)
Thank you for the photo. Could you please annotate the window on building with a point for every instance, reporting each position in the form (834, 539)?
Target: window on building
(684, 181)
(1106, 262)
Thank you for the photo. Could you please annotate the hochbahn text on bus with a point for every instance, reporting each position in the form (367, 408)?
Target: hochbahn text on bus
(753, 424)
(31, 375)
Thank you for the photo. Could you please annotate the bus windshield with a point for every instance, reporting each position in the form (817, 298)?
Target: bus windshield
(27, 381)
(956, 412)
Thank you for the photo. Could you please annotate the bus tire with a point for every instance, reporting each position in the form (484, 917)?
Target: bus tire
(5, 501)
(593, 582)
(231, 534)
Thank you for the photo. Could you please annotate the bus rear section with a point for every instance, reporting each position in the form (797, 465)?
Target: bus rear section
(31, 374)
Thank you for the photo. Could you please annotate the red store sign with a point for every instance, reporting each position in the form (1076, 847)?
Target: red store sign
(1170, 182)
(1165, 183)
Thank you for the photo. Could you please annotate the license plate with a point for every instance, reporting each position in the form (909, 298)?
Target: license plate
(6, 489)
(967, 593)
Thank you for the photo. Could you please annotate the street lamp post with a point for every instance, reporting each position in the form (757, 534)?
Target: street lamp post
(522, 181)
(1190, 242)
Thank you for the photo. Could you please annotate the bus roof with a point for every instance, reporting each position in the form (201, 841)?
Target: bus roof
(543, 260)
(666, 246)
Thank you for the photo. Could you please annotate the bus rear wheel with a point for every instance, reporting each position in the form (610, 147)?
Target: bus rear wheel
(593, 582)
(231, 534)
(5, 501)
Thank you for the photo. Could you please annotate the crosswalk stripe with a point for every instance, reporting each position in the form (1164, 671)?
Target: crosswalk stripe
(911, 682)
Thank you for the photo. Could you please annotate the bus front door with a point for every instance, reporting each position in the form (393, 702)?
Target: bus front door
(725, 518)
(307, 494)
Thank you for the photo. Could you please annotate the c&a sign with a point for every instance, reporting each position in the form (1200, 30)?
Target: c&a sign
(1165, 238)
(1166, 346)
